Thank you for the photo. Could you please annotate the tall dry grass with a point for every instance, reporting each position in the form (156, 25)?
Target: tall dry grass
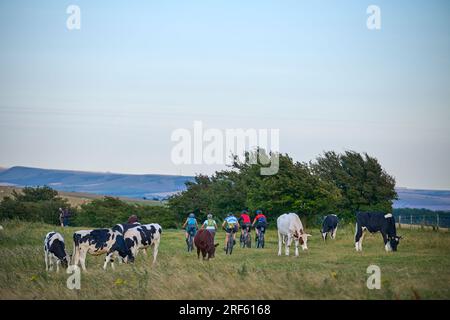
(331, 270)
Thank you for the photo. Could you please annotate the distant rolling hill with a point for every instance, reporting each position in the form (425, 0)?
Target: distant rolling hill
(150, 186)
(427, 199)
(155, 186)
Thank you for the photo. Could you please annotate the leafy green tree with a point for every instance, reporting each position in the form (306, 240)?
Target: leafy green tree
(364, 184)
(34, 204)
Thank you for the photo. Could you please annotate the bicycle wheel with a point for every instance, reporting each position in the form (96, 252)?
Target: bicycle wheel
(262, 240)
(249, 241)
(189, 243)
(230, 244)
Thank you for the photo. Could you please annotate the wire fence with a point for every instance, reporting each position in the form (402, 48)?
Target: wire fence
(434, 220)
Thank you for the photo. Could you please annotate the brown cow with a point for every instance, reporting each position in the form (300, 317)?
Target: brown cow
(204, 242)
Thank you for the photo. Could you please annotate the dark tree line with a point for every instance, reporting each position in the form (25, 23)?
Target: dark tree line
(333, 183)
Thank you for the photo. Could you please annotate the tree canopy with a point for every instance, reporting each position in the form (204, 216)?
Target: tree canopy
(334, 183)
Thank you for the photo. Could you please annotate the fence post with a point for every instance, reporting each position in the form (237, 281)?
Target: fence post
(399, 221)
(437, 221)
(410, 221)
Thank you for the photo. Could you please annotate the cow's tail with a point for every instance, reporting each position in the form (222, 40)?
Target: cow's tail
(76, 249)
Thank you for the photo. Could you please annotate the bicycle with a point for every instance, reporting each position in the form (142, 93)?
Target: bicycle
(190, 242)
(230, 243)
(246, 238)
(260, 238)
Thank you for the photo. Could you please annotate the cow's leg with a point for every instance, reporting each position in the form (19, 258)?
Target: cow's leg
(46, 260)
(288, 243)
(358, 235)
(58, 262)
(198, 253)
(155, 249)
(334, 233)
(296, 247)
(145, 251)
(387, 245)
(324, 236)
(108, 258)
(280, 239)
(82, 257)
(361, 239)
(76, 255)
(50, 261)
(134, 251)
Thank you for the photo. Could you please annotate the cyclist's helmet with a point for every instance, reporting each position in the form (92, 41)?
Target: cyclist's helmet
(229, 214)
(258, 212)
(191, 215)
(209, 216)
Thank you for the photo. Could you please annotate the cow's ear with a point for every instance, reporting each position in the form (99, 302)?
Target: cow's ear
(216, 245)
(308, 235)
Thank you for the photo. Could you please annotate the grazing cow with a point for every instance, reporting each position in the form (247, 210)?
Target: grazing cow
(142, 237)
(329, 225)
(374, 222)
(54, 250)
(123, 227)
(290, 227)
(204, 242)
(97, 242)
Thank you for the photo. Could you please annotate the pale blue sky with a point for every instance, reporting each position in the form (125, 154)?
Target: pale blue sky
(107, 97)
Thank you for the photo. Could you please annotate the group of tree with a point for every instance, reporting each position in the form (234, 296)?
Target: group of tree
(333, 183)
(41, 204)
(106, 212)
(33, 204)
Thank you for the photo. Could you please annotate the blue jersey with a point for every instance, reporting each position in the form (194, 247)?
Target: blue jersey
(231, 221)
(191, 222)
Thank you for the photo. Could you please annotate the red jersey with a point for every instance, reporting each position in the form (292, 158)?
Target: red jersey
(245, 218)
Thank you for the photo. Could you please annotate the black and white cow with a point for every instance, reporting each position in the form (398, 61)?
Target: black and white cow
(143, 236)
(123, 227)
(97, 242)
(329, 226)
(55, 251)
(374, 222)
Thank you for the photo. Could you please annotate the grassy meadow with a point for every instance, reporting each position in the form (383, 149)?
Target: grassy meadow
(331, 270)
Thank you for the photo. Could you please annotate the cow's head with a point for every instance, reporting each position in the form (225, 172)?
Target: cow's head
(65, 261)
(394, 241)
(302, 237)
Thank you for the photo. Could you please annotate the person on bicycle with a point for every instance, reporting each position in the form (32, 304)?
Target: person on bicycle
(191, 225)
(230, 224)
(260, 221)
(245, 222)
(210, 224)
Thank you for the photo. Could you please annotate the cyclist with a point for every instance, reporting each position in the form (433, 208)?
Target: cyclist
(261, 221)
(191, 225)
(230, 224)
(245, 222)
(210, 224)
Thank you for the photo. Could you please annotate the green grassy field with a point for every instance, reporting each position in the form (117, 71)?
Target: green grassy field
(332, 270)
